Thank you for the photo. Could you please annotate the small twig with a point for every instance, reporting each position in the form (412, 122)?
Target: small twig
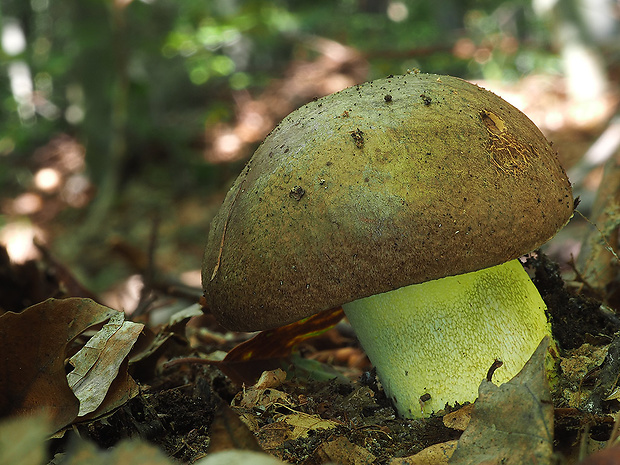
(496, 364)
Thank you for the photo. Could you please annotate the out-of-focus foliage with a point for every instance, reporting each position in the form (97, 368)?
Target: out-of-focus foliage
(176, 63)
(102, 99)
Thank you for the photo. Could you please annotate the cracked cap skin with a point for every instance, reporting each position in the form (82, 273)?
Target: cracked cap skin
(393, 182)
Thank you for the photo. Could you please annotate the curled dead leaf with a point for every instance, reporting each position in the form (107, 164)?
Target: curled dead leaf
(97, 364)
(33, 348)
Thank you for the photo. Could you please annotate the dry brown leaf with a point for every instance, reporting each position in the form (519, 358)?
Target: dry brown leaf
(97, 364)
(271, 379)
(272, 436)
(228, 431)
(576, 364)
(251, 398)
(437, 454)
(459, 419)
(247, 361)
(291, 427)
(511, 424)
(122, 389)
(34, 344)
(33, 348)
(303, 423)
(250, 420)
(342, 452)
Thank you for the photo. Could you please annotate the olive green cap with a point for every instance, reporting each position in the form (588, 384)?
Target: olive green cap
(382, 185)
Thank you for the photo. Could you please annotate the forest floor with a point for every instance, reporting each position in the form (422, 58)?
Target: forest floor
(191, 388)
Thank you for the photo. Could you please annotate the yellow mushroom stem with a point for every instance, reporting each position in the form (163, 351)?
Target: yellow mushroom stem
(433, 343)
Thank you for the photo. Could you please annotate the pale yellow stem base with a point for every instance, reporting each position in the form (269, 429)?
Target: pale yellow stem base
(440, 338)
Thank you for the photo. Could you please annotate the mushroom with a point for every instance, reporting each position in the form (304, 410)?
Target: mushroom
(407, 201)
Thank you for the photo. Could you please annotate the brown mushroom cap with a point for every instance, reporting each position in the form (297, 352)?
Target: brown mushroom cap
(386, 184)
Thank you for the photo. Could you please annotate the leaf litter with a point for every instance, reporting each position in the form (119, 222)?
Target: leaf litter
(97, 364)
(168, 385)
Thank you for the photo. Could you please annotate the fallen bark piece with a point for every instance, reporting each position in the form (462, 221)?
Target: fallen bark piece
(511, 423)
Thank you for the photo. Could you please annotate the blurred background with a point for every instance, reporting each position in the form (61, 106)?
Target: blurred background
(124, 122)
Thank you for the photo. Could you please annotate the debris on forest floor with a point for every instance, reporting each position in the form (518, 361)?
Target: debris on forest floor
(167, 385)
